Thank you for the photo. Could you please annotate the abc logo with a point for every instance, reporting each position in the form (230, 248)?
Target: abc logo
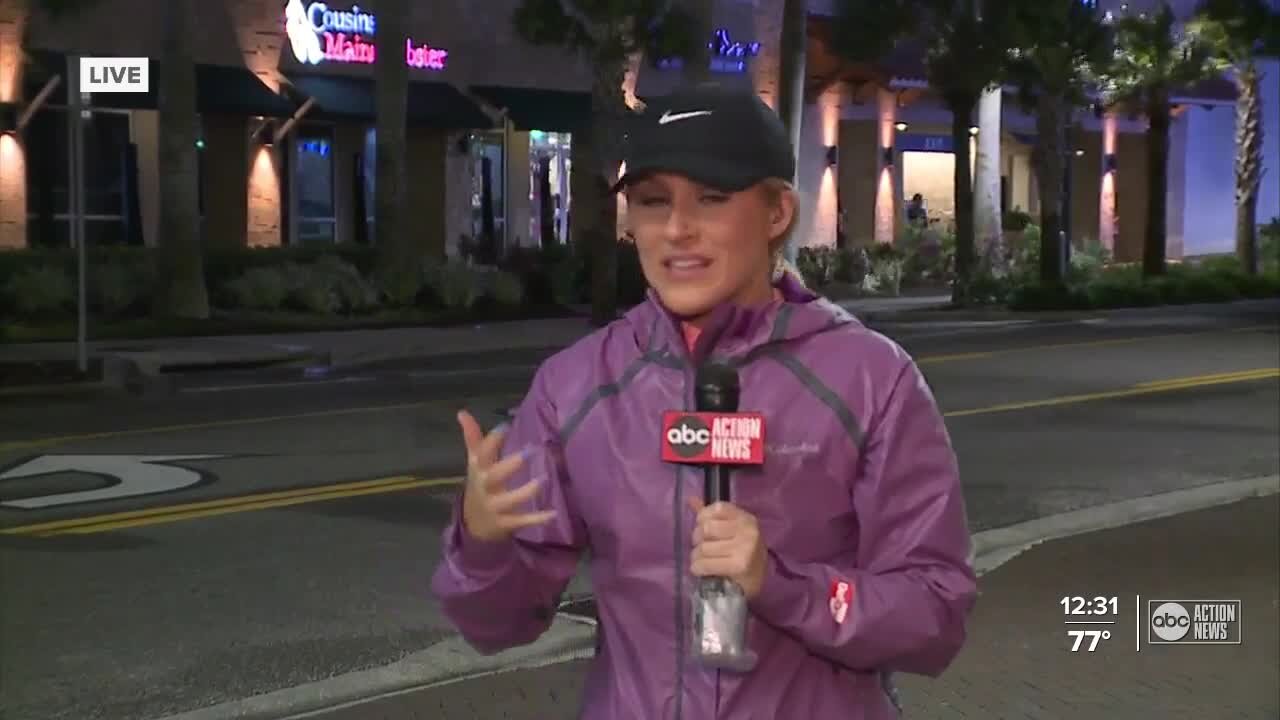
(689, 436)
(1171, 622)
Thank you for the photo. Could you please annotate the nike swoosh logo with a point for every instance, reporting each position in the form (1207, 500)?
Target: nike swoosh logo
(669, 117)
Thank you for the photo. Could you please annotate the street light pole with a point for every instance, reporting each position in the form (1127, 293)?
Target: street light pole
(75, 197)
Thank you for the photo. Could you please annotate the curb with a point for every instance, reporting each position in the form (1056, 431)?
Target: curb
(448, 661)
(452, 660)
(71, 389)
(139, 377)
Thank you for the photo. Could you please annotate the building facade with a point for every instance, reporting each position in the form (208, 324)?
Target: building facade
(491, 123)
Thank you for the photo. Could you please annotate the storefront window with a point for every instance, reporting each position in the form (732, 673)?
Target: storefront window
(488, 191)
(110, 179)
(368, 167)
(549, 168)
(313, 185)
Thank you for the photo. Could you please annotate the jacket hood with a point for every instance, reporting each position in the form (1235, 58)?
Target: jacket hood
(732, 330)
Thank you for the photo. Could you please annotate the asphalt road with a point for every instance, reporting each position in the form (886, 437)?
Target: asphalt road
(145, 606)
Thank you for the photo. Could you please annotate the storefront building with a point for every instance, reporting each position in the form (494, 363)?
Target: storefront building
(286, 100)
(491, 123)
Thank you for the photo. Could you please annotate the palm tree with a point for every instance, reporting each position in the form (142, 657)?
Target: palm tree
(1241, 31)
(605, 33)
(1058, 46)
(1151, 61)
(967, 52)
(397, 266)
(181, 290)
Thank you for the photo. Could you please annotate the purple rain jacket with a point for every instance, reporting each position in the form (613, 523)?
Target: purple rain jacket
(859, 486)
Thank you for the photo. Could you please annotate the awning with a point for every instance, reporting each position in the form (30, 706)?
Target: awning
(430, 104)
(535, 109)
(225, 89)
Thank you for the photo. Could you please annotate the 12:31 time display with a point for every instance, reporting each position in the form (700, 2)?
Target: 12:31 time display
(1077, 605)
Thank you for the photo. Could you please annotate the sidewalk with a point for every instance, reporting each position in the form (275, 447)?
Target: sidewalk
(122, 360)
(1018, 662)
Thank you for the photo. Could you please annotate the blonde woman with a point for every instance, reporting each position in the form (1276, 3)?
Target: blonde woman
(850, 543)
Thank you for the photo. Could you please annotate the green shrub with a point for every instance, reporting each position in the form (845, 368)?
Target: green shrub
(1035, 296)
(1269, 245)
(258, 288)
(817, 265)
(456, 284)
(568, 280)
(508, 290)
(352, 291)
(852, 265)
(40, 292)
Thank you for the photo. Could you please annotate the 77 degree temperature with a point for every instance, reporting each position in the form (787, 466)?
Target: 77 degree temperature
(1093, 635)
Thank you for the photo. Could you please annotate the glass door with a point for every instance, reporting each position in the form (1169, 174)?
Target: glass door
(312, 149)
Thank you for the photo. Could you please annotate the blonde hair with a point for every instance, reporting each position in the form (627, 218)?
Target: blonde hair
(775, 189)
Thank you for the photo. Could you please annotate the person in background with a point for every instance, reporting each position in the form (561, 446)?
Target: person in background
(916, 213)
(850, 542)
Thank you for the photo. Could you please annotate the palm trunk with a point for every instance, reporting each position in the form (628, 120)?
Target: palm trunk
(1153, 249)
(961, 110)
(1248, 167)
(1050, 156)
(398, 269)
(182, 292)
(988, 218)
(600, 212)
(791, 77)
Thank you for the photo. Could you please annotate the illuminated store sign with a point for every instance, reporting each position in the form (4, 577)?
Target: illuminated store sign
(727, 54)
(319, 34)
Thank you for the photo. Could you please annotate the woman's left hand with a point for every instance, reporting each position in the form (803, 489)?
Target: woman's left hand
(727, 543)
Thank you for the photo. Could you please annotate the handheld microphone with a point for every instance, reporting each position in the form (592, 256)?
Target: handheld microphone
(716, 390)
(719, 605)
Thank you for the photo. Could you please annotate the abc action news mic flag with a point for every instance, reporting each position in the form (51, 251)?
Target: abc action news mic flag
(715, 434)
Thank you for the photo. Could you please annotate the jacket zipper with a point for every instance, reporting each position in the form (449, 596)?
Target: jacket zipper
(682, 602)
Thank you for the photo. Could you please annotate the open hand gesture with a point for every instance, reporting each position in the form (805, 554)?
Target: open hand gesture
(489, 510)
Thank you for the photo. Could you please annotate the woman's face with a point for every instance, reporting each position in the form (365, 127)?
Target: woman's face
(700, 247)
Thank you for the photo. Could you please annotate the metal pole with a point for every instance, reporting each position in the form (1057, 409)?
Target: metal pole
(75, 197)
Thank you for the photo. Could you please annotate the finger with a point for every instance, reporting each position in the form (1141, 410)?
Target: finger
(471, 434)
(507, 501)
(722, 510)
(715, 529)
(515, 522)
(491, 446)
(495, 476)
(714, 567)
(696, 504)
(716, 549)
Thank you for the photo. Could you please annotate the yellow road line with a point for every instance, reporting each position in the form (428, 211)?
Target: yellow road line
(98, 527)
(1240, 374)
(1145, 389)
(262, 501)
(924, 360)
(211, 504)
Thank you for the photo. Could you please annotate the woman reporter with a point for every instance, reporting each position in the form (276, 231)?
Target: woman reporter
(850, 543)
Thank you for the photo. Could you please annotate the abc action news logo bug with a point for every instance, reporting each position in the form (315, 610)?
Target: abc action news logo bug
(713, 438)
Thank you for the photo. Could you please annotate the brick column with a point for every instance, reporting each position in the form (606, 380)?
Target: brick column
(1108, 223)
(886, 194)
(264, 196)
(13, 156)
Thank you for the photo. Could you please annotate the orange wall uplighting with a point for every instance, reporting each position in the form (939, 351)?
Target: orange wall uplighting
(1107, 222)
(13, 193)
(264, 200)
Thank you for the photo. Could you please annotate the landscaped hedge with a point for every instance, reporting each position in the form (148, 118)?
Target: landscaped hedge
(40, 285)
